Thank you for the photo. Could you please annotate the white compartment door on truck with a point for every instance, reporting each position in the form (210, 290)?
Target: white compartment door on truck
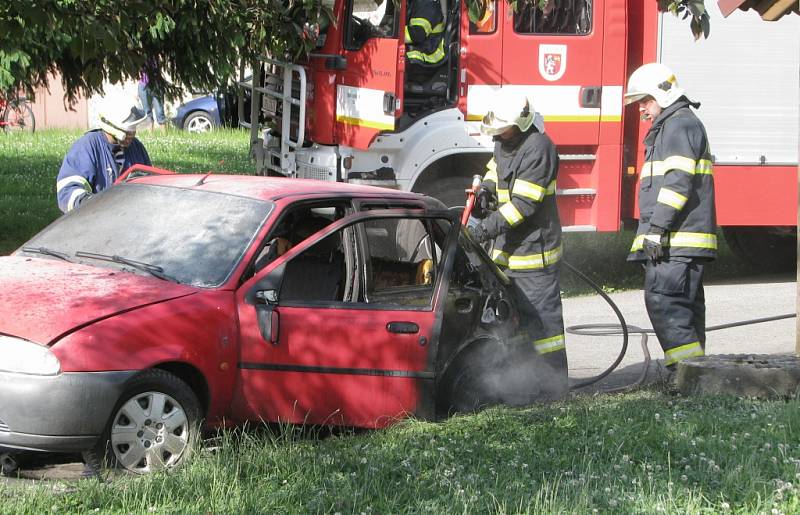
(746, 77)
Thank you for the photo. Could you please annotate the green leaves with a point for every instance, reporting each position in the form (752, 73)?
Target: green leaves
(184, 44)
(700, 24)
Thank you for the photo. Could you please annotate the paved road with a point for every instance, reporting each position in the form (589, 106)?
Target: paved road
(588, 356)
(730, 302)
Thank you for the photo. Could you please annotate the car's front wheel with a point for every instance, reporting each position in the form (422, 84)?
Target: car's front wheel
(199, 121)
(154, 426)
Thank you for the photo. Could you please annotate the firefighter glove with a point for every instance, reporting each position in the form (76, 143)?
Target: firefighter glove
(484, 202)
(654, 243)
(478, 233)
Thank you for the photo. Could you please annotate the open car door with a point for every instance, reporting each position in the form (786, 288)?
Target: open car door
(342, 328)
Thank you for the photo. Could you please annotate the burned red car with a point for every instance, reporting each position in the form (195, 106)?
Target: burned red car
(171, 304)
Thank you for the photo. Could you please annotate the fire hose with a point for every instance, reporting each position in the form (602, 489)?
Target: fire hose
(623, 328)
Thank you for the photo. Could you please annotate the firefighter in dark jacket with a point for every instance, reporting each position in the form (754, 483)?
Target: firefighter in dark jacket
(424, 35)
(525, 227)
(98, 158)
(677, 223)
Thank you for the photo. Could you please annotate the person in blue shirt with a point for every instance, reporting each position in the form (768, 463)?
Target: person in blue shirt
(95, 160)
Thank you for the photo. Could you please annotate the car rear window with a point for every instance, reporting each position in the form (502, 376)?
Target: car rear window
(197, 237)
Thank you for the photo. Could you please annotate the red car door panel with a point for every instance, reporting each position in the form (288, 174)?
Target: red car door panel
(333, 362)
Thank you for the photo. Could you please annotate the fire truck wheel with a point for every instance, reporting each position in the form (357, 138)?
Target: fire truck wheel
(762, 249)
(450, 190)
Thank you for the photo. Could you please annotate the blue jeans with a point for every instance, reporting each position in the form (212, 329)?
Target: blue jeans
(151, 105)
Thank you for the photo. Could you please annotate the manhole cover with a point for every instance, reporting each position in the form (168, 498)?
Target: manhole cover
(746, 375)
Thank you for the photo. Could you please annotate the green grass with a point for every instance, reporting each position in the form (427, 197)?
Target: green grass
(29, 164)
(644, 452)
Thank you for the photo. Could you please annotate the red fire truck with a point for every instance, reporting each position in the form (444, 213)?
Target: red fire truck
(350, 113)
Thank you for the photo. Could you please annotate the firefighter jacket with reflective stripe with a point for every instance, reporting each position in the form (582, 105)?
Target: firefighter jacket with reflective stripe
(89, 167)
(676, 189)
(522, 175)
(424, 35)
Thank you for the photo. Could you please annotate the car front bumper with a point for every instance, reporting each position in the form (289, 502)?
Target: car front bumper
(63, 413)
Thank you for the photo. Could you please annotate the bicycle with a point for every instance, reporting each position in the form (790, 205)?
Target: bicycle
(17, 115)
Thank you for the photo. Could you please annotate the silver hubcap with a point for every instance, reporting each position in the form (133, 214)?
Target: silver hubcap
(199, 124)
(150, 432)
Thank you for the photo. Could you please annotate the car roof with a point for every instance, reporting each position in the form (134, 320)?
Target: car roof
(274, 188)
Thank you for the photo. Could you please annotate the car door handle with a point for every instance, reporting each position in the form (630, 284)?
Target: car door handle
(402, 327)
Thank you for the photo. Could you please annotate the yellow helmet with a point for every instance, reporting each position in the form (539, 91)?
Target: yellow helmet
(655, 80)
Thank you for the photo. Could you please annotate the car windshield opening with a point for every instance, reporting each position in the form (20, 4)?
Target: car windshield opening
(194, 237)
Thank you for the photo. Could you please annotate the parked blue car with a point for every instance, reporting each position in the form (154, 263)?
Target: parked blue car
(201, 114)
(207, 112)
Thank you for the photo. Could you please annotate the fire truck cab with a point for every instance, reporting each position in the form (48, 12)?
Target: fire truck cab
(351, 112)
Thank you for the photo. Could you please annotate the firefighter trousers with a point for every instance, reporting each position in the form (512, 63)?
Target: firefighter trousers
(676, 305)
(540, 301)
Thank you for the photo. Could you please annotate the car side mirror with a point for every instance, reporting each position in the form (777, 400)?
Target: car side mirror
(269, 322)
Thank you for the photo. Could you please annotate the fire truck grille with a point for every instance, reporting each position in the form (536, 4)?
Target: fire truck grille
(306, 171)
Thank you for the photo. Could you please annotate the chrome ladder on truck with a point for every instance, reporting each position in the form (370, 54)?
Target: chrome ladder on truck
(281, 99)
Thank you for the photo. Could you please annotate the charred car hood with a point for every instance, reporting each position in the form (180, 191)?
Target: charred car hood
(41, 299)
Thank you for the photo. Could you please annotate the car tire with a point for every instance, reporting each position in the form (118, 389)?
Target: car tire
(154, 426)
(198, 121)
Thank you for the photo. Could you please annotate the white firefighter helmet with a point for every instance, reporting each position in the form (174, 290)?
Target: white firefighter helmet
(655, 80)
(119, 119)
(511, 107)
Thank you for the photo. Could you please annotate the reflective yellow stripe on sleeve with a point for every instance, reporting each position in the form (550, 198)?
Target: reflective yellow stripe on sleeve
(552, 344)
(704, 167)
(74, 197)
(491, 171)
(511, 214)
(690, 350)
(529, 190)
(499, 257)
(503, 196)
(671, 198)
(74, 179)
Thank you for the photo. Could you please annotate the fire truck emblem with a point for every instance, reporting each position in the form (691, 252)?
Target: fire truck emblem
(552, 61)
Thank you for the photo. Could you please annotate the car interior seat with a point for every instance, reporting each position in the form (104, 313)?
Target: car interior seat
(318, 273)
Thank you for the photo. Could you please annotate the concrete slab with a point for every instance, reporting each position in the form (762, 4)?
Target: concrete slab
(744, 375)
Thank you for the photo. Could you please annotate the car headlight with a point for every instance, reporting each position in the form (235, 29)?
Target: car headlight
(24, 357)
